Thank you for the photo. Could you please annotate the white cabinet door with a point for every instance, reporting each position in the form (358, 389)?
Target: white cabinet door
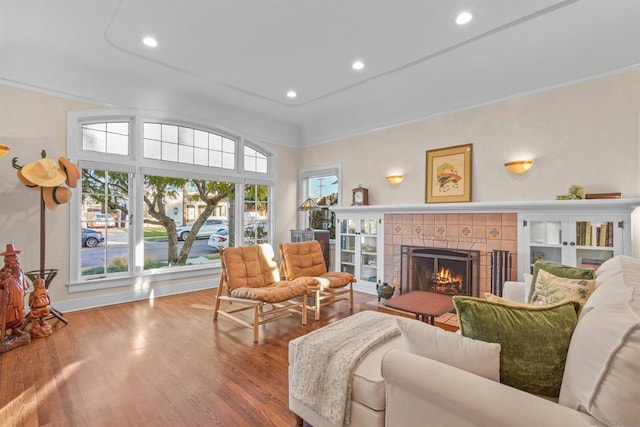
(360, 250)
(576, 240)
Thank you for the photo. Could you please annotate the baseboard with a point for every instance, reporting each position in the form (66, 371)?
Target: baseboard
(129, 296)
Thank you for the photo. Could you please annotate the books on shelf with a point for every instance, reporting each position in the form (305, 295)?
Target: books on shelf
(591, 262)
(600, 234)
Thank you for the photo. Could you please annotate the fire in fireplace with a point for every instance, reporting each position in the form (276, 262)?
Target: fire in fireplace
(443, 271)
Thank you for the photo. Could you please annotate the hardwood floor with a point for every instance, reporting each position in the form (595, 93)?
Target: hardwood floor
(161, 362)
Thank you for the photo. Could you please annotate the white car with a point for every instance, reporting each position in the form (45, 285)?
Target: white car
(209, 227)
(219, 240)
(103, 220)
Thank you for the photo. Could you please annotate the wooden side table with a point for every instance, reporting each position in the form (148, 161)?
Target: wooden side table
(426, 306)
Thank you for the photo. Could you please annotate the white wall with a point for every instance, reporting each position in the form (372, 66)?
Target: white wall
(585, 134)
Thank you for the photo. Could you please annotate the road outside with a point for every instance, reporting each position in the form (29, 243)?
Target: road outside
(117, 246)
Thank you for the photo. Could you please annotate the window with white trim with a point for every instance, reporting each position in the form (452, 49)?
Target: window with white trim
(323, 187)
(160, 196)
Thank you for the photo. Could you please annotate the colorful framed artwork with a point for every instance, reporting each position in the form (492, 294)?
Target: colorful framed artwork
(449, 174)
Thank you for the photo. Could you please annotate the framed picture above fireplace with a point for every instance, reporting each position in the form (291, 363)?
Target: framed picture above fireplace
(448, 173)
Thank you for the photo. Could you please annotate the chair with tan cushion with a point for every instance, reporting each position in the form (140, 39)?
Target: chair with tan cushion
(305, 259)
(250, 279)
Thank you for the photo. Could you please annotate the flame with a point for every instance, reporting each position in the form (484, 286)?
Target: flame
(445, 276)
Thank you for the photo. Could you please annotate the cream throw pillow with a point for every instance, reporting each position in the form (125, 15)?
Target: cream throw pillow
(495, 298)
(551, 289)
(478, 357)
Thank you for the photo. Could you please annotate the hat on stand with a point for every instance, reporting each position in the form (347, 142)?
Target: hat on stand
(25, 181)
(54, 196)
(45, 172)
(71, 171)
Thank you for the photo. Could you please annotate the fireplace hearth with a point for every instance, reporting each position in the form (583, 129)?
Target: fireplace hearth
(438, 270)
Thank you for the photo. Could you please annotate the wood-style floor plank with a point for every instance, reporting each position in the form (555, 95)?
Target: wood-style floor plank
(158, 362)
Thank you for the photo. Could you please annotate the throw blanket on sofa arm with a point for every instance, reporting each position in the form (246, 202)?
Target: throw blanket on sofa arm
(326, 359)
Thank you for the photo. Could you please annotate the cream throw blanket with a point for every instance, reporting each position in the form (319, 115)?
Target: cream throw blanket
(326, 359)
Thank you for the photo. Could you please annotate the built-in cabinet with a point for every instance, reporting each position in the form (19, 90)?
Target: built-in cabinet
(359, 249)
(579, 240)
(571, 232)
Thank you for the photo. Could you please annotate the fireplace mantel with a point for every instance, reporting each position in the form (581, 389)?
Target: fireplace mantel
(483, 226)
(528, 207)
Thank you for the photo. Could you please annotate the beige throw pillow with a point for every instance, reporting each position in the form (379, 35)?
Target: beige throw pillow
(551, 289)
(495, 298)
(478, 357)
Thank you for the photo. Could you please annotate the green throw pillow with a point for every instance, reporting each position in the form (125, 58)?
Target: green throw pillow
(534, 340)
(560, 271)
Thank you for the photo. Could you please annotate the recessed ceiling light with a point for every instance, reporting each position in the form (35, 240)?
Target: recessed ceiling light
(464, 18)
(291, 94)
(357, 65)
(150, 41)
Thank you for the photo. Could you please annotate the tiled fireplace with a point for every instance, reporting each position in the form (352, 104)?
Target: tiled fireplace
(480, 233)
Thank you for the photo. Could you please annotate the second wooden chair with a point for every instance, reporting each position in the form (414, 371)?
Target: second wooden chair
(305, 259)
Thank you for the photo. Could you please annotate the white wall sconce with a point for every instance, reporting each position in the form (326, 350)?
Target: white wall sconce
(395, 179)
(519, 166)
(4, 149)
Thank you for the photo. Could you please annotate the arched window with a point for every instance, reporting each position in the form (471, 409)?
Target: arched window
(160, 197)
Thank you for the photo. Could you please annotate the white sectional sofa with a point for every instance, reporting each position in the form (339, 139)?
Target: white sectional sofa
(600, 386)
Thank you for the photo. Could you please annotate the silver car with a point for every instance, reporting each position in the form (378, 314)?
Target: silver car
(209, 227)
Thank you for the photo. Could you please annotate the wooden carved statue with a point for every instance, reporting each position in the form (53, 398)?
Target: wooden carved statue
(40, 309)
(13, 285)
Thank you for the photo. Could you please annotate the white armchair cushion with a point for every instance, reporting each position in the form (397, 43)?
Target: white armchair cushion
(602, 372)
(478, 357)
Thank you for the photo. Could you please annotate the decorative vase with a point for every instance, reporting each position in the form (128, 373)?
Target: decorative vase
(385, 291)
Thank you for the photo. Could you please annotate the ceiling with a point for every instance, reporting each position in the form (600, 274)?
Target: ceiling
(231, 62)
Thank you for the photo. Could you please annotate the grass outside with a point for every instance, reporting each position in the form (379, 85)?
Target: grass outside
(153, 234)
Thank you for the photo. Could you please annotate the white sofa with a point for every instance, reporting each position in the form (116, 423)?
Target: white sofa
(600, 386)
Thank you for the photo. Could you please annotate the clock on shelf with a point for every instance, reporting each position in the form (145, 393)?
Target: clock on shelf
(360, 196)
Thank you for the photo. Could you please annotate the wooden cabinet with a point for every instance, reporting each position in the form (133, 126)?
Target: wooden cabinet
(322, 236)
(359, 249)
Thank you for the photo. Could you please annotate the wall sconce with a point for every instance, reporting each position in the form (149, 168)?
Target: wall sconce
(519, 166)
(395, 179)
(4, 149)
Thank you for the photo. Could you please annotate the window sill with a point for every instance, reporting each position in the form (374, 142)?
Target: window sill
(146, 278)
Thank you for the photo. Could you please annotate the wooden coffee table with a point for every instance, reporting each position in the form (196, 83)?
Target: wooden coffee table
(425, 305)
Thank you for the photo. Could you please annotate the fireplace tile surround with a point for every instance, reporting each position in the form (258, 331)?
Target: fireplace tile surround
(483, 232)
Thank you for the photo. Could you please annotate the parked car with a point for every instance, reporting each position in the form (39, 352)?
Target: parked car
(103, 220)
(219, 239)
(209, 227)
(91, 238)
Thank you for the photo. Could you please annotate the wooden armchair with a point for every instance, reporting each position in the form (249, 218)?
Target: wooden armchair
(251, 279)
(305, 259)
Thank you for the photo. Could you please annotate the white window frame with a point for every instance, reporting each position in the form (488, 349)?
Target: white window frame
(303, 217)
(138, 166)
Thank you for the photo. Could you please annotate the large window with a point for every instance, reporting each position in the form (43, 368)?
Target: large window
(162, 197)
(257, 217)
(322, 186)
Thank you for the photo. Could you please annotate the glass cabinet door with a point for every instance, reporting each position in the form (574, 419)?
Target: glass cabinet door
(545, 241)
(595, 241)
(369, 249)
(348, 245)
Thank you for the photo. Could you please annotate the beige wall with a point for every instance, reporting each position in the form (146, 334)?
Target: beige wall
(584, 134)
(29, 123)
